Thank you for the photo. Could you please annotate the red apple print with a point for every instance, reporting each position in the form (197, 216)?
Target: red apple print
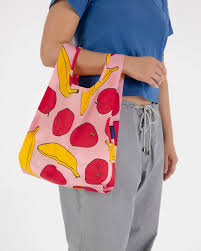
(85, 188)
(116, 129)
(116, 104)
(84, 135)
(107, 129)
(112, 181)
(48, 101)
(51, 174)
(63, 122)
(106, 191)
(96, 171)
(105, 101)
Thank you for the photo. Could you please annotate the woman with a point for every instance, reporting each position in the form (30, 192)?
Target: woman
(127, 218)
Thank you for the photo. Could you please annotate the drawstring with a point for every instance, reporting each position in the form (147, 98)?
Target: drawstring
(147, 114)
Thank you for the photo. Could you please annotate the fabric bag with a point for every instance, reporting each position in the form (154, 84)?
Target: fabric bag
(73, 138)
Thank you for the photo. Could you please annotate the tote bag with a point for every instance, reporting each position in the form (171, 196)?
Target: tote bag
(73, 138)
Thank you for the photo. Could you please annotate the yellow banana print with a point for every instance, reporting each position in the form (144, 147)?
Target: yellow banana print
(63, 68)
(86, 95)
(27, 150)
(61, 155)
(111, 151)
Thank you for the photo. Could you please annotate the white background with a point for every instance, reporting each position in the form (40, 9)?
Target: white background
(30, 214)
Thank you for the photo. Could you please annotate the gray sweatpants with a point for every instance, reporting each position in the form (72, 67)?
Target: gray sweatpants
(127, 218)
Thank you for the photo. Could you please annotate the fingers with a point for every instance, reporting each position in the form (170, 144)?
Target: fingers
(169, 168)
(151, 82)
(158, 74)
(147, 69)
(159, 71)
(161, 66)
(157, 78)
(168, 174)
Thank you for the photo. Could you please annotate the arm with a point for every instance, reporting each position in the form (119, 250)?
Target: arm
(169, 149)
(59, 28)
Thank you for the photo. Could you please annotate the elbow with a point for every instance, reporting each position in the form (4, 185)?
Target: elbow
(44, 58)
(47, 56)
(44, 61)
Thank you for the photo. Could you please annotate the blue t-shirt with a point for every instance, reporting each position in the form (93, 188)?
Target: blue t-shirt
(130, 27)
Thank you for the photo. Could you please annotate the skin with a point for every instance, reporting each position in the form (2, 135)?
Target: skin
(171, 158)
(59, 28)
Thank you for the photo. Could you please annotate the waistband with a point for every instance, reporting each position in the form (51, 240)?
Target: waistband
(131, 103)
(149, 115)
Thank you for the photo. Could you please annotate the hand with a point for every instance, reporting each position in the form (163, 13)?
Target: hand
(170, 160)
(145, 69)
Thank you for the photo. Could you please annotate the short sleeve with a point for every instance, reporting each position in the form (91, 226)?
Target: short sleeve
(166, 8)
(78, 5)
(170, 28)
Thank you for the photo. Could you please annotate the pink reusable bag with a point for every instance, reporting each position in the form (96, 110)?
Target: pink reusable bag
(73, 138)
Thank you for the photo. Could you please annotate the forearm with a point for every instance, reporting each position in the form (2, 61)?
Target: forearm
(164, 107)
(91, 63)
(88, 62)
(60, 26)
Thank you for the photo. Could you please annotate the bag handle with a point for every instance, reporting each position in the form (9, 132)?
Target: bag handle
(113, 61)
(75, 58)
(74, 79)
